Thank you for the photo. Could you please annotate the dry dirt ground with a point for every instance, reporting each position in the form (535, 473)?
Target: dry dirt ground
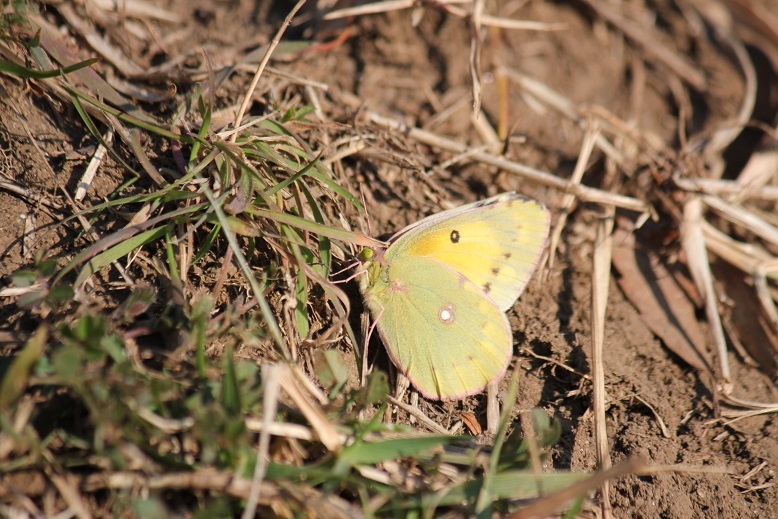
(658, 406)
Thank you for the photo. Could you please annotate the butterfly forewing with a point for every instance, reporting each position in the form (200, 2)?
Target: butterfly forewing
(439, 328)
(497, 250)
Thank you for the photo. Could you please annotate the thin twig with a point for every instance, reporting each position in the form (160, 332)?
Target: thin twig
(385, 6)
(271, 377)
(94, 164)
(414, 411)
(568, 201)
(261, 67)
(587, 194)
(651, 45)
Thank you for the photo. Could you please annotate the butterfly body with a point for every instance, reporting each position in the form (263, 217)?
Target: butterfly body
(440, 289)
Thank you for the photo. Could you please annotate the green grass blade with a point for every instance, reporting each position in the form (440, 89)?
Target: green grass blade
(12, 69)
(114, 253)
(267, 313)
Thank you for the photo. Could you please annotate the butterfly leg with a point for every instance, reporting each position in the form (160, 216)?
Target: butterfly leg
(366, 345)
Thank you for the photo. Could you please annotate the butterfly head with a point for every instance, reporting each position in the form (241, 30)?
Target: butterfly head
(372, 255)
(366, 254)
(373, 262)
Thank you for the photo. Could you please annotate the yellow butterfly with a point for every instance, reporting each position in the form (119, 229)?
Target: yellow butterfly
(440, 290)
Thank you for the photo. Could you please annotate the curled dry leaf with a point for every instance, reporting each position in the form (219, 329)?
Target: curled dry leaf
(750, 324)
(471, 423)
(663, 305)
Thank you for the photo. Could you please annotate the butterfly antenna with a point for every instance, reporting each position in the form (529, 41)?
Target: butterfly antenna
(352, 276)
(348, 266)
(355, 274)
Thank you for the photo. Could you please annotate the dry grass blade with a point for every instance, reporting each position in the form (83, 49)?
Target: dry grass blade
(568, 201)
(761, 275)
(102, 46)
(752, 409)
(723, 136)
(54, 44)
(754, 325)
(272, 495)
(493, 407)
(475, 55)
(91, 170)
(261, 67)
(693, 242)
(549, 97)
(651, 44)
(370, 8)
(449, 7)
(726, 188)
(546, 506)
(286, 430)
(271, 376)
(16, 189)
(138, 9)
(21, 418)
(67, 487)
(743, 217)
(323, 428)
(584, 193)
(744, 256)
(415, 411)
(603, 248)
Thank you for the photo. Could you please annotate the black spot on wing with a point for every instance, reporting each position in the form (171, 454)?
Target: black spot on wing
(487, 287)
(455, 236)
(495, 270)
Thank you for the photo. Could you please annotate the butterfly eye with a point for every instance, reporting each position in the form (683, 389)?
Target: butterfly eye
(366, 254)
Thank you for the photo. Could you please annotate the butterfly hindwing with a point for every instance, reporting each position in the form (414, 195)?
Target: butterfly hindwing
(447, 337)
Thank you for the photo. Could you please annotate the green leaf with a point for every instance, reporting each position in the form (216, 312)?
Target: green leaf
(377, 387)
(198, 321)
(68, 362)
(30, 300)
(230, 389)
(371, 453)
(61, 294)
(151, 508)
(15, 379)
(331, 370)
(511, 485)
(24, 278)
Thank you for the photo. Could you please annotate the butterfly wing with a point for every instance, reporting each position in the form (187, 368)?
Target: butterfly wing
(440, 329)
(496, 243)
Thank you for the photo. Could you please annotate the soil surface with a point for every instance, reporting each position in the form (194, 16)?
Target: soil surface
(413, 66)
